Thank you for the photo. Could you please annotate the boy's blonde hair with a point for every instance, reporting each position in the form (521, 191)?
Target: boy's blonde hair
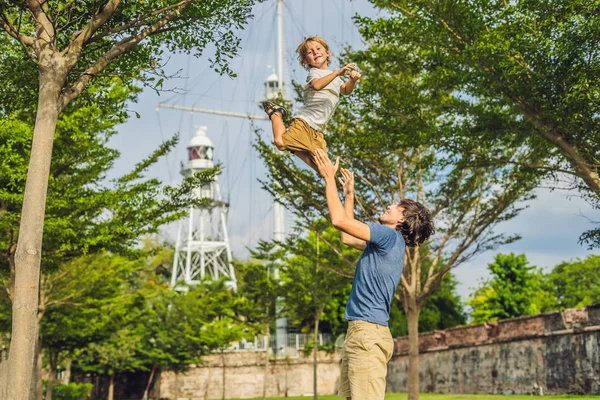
(301, 50)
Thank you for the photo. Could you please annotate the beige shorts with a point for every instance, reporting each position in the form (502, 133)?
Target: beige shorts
(300, 136)
(367, 349)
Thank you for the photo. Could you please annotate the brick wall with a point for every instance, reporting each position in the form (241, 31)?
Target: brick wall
(244, 374)
(559, 352)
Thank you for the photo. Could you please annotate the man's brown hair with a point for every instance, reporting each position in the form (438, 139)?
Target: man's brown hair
(417, 226)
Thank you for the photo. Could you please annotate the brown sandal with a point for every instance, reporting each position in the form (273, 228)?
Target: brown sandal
(271, 109)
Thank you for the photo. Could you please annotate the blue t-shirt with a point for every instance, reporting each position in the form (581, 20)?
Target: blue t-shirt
(377, 276)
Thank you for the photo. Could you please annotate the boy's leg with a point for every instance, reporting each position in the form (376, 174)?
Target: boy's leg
(276, 114)
(278, 130)
(307, 158)
(315, 140)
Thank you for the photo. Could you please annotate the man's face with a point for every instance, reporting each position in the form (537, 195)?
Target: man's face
(393, 215)
(316, 55)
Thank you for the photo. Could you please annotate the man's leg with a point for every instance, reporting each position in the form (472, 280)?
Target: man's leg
(344, 389)
(368, 354)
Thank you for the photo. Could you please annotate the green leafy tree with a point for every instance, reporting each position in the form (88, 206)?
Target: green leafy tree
(84, 301)
(332, 319)
(163, 330)
(515, 289)
(70, 44)
(260, 290)
(525, 71)
(390, 134)
(116, 354)
(443, 310)
(311, 276)
(576, 283)
(81, 302)
(85, 213)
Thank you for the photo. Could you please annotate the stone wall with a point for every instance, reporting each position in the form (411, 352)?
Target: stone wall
(244, 372)
(559, 352)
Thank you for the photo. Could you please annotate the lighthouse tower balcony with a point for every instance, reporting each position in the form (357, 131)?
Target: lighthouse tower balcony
(200, 157)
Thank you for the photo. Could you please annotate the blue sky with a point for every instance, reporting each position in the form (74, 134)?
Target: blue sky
(549, 227)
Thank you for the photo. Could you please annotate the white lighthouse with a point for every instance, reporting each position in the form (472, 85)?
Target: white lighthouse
(272, 91)
(202, 249)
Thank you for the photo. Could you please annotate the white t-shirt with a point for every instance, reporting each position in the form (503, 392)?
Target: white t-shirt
(319, 105)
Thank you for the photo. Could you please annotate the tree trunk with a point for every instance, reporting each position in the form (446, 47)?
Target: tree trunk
(37, 385)
(413, 352)
(111, 388)
(29, 247)
(569, 150)
(67, 377)
(208, 379)
(223, 375)
(149, 382)
(52, 377)
(12, 266)
(315, 357)
(96, 385)
(176, 384)
(266, 370)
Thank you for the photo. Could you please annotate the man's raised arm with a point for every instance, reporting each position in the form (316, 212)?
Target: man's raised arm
(339, 216)
(348, 186)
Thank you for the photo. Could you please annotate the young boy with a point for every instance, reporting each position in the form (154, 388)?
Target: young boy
(321, 96)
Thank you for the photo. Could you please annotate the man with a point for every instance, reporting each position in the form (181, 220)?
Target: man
(369, 345)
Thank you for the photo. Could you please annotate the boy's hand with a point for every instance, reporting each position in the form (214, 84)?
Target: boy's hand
(347, 182)
(326, 169)
(354, 75)
(345, 69)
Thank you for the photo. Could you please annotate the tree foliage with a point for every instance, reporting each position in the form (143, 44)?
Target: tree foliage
(576, 283)
(443, 310)
(514, 290)
(313, 272)
(86, 213)
(394, 133)
(517, 288)
(70, 44)
(523, 73)
(94, 36)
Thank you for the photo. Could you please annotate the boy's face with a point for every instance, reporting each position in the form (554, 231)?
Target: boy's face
(316, 55)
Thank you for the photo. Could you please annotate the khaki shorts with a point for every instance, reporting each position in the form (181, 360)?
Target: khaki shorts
(367, 349)
(302, 137)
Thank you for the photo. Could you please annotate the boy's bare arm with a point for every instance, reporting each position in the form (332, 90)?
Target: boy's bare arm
(349, 86)
(320, 83)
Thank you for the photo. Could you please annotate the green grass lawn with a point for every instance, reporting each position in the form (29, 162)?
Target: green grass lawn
(432, 396)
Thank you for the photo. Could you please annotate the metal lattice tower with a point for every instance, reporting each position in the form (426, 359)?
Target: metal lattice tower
(202, 248)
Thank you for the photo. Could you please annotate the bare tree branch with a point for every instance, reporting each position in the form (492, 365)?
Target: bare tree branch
(381, 202)
(136, 23)
(404, 10)
(92, 26)
(25, 40)
(118, 49)
(336, 251)
(44, 27)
